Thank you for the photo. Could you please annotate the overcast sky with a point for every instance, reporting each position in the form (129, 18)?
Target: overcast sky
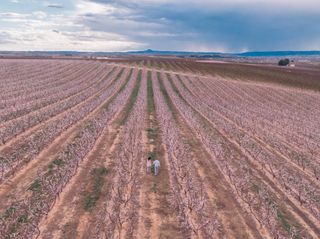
(189, 25)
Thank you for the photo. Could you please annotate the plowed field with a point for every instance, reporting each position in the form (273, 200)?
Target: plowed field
(239, 147)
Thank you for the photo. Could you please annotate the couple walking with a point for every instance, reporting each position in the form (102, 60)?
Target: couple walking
(155, 165)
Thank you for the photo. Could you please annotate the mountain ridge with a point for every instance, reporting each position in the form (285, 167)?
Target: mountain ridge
(176, 53)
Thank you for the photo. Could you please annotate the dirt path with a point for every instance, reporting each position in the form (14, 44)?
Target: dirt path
(54, 130)
(17, 113)
(30, 130)
(104, 116)
(118, 214)
(267, 177)
(275, 134)
(156, 219)
(257, 140)
(74, 220)
(235, 222)
(87, 83)
(208, 163)
(18, 183)
(299, 213)
(70, 216)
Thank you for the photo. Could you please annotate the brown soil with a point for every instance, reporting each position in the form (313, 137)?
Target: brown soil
(156, 218)
(236, 223)
(71, 218)
(299, 213)
(16, 186)
(69, 208)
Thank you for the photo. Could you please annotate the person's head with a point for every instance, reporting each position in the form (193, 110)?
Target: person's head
(149, 158)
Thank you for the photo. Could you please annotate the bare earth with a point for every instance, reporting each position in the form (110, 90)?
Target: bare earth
(239, 147)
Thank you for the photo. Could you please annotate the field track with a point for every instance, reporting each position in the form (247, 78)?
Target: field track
(239, 148)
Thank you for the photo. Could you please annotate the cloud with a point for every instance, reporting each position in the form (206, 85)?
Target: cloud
(55, 5)
(39, 14)
(40, 30)
(218, 5)
(13, 15)
(229, 25)
(195, 25)
(5, 38)
(33, 39)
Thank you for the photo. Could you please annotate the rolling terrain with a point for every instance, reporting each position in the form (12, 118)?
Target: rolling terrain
(239, 146)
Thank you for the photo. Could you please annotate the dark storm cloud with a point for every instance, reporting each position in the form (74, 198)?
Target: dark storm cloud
(204, 25)
(53, 5)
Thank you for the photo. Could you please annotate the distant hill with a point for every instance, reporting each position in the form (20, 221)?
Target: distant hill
(153, 52)
(167, 53)
(218, 54)
(279, 53)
